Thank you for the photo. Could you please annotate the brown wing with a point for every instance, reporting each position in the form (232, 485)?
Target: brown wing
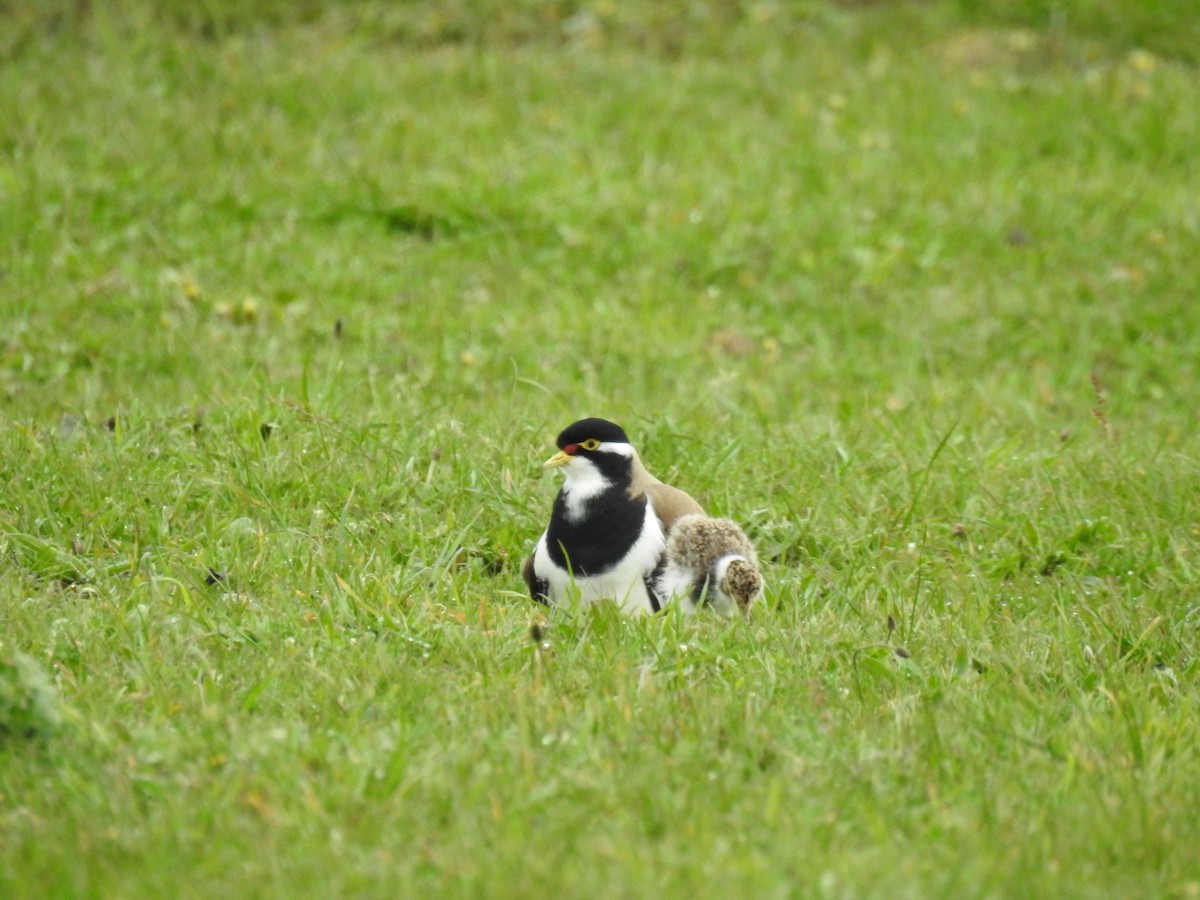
(671, 503)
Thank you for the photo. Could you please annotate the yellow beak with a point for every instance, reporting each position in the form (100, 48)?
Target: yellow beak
(558, 459)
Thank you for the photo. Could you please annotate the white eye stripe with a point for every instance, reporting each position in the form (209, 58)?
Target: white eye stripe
(616, 447)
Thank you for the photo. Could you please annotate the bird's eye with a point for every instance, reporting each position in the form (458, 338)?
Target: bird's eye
(590, 444)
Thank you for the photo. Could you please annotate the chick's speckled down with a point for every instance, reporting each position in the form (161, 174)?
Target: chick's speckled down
(711, 560)
(696, 542)
(742, 582)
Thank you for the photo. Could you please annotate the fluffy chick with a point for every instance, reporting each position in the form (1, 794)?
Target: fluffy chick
(710, 561)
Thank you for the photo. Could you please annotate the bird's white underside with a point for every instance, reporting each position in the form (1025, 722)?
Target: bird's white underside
(624, 584)
(676, 583)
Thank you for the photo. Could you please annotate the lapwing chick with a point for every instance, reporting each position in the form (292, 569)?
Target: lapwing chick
(710, 562)
(609, 524)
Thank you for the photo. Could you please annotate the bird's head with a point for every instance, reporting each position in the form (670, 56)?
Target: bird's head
(743, 582)
(593, 447)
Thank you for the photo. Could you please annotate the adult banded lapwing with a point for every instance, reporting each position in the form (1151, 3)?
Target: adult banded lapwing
(609, 525)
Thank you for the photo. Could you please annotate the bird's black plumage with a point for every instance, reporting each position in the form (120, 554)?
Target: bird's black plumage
(611, 521)
(610, 526)
(598, 429)
(539, 588)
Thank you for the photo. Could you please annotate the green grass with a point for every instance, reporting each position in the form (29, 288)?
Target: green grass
(295, 301)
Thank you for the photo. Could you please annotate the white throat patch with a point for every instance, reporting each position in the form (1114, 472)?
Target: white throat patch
(582, 480)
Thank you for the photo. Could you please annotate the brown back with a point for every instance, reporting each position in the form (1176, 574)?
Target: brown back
(669, 502)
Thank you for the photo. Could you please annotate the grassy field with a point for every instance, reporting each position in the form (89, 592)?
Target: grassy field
(295, 301)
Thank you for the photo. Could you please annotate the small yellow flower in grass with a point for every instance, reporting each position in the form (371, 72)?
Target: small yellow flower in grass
(874, 140)
(761, 13)
(256, 801)
(1142, 61)
(244, 313)
(1127, 274)
(1021, 40)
